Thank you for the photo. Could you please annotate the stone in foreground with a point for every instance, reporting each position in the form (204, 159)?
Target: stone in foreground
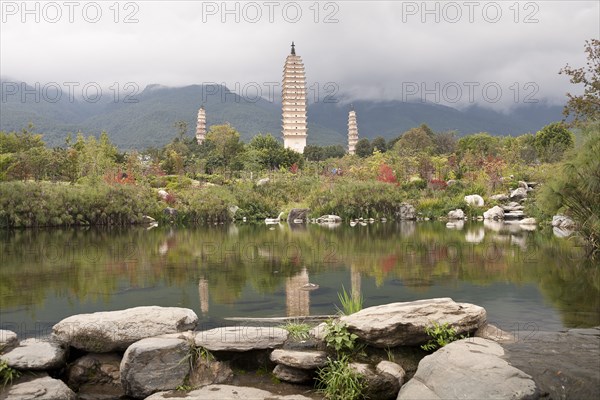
(393, 369)
(38, 388)
(8, 340)
(36, 355)
(396, 324)
(468, 369)
(103, 332)
(241, 338)
(299, 359)
(96, 376)
(379, 385)
(225, 392)
(291, 374)
(154, 364)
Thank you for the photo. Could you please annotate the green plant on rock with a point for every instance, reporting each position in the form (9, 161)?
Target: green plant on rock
(7, 374)
(350, 303)
(336, 380)
(339, 338)
(297, 330)
(441, 335)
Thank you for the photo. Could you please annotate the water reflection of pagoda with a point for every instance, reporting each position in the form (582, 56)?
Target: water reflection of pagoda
(203, 292)
(297, 298)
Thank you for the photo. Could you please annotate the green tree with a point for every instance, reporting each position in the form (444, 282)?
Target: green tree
(313, 152)
(415, 141)
(363, 148)
(552, 141)
(223, 148)
(587, 105)
(480, 145)
(574, 189)
(379, 144)
(444, 142)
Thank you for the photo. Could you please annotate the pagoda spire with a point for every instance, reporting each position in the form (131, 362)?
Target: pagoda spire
(293, 49)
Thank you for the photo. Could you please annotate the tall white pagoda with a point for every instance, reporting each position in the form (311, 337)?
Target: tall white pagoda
(201, 126)
(352, 131)
(294, 103)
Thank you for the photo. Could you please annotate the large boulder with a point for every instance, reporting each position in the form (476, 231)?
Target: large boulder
(396, 324)
(8, 340)
(36, 355)
(96, 376)
(241, 338)
(468, 369)
(38, 387)
(494, 213)
(406, 212)
(379, 384)
(154, 364)
(104, 332)
(456, 214)
(299, 359)
(474, 200)
(225, 392)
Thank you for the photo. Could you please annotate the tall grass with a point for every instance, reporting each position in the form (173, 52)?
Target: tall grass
(350, 302)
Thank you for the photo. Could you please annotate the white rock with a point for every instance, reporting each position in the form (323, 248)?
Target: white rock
(499, 197)
(456, 214)
(103, 332)
(37, 355)
(562, 221)
(474, 200)
(518, 194)
(241, 338)
(8, 340)
(494, 213)
(468, 369)
(163, 194)
(395, 324)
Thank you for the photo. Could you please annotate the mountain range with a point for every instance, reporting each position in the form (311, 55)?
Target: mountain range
(148, 121)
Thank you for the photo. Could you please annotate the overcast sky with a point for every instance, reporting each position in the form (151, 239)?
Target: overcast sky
(453, 53)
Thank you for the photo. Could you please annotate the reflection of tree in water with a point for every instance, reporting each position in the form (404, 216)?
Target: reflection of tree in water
(84, 265)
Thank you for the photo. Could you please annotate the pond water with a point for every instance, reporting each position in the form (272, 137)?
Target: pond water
(527, 280)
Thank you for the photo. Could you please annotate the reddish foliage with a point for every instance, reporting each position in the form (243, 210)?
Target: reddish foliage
(386, 174)
(119, 177)
(437, 184)
(170, 199)
(294, 168)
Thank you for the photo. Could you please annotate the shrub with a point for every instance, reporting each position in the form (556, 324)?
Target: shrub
(440, 336)
(339, 338)
(337, 380)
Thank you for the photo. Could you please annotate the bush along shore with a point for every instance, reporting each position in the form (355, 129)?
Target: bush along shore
(419, 175)
(413, 350)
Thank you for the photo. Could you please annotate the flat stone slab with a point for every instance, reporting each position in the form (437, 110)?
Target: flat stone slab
(103, 332)
(36, 355)
(38, 388)
(299, 359)
(225, 392)
(8, 340)
(396, 324)
(155, 364)
(468, 369)
(241, 338)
